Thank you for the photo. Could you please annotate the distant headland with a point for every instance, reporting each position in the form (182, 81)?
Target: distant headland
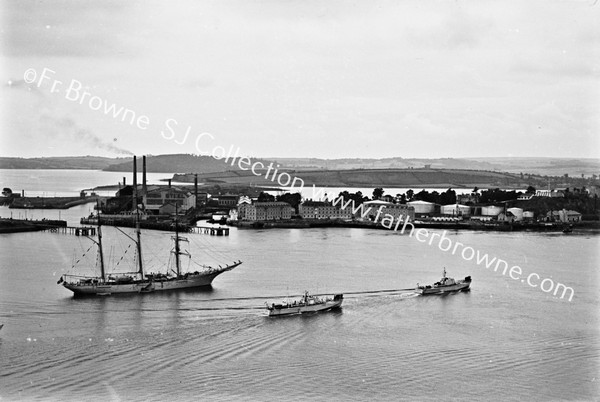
(188, 163)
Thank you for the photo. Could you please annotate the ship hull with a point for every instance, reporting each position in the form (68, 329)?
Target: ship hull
(444, 289)
(311, 308)
(146, 286)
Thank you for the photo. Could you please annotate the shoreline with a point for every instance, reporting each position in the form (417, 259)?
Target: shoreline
(320, 223)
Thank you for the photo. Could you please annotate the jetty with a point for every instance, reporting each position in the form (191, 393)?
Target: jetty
(25, 225)
(49, 202)
(213, 231)
(73, 230)
(167, 225)
(129, 222)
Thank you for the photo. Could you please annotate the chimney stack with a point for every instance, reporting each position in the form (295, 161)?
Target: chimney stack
(169, 183)
(144, 188)
(124, 181)
(134, 182)
(196, 189)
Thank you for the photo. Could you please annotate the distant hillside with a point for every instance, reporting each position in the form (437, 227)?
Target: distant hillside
(533, 165)
(417, 178)
(66, 162)
(384, 163)
(186, 163)
(409, 178)
(178, 163)
(545, 166)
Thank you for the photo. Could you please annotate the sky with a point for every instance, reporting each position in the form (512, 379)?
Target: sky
(290, 78)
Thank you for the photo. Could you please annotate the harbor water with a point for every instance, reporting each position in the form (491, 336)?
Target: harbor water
(502, 341)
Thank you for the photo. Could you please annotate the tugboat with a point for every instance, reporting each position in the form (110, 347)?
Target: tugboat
(445, 285)
(307, 304)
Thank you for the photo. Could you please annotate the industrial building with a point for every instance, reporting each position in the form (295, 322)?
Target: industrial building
(456, 210)
(398, 211)
(422, 207)
(323, 210)
(264, 211)
(163, 199)
(564, 216)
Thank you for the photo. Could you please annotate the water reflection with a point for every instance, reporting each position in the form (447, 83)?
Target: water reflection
(130, 313)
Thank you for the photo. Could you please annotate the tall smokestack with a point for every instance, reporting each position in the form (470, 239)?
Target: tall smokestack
(134, 182)
(124, 181)
(169, 183)
(144, 188)
(196, 189)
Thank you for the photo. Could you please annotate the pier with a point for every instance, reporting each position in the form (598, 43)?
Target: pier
(218, 231)
(50, 202)
(25, 225)
(73, 230)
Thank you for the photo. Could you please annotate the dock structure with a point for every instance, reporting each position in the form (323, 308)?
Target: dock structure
(73, 230)
(218, 231)
(166, 225)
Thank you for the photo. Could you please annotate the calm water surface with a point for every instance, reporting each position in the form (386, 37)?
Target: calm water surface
(501, 341)
(66, 183)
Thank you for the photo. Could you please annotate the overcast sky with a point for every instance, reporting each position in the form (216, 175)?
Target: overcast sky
(303, 78)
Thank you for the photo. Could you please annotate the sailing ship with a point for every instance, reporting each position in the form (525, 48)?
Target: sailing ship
(445, 285)
(140, 281)
(307, 304)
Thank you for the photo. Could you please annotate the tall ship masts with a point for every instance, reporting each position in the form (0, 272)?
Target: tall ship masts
(177, 249)
(140, 282)
(137, 220)
(100, 250)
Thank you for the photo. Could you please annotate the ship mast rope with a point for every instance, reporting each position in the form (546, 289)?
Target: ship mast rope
(83, 255)
(199, 241)
(203, 244)
(111, 257)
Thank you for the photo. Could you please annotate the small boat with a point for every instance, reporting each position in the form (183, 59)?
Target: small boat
(219, 217)
(445, 285)
(307, 304)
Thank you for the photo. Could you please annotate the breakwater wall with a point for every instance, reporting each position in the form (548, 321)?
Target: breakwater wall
(25, 225)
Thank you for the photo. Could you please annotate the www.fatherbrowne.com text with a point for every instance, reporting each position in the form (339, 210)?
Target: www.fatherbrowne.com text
(445, 244)
(75, 91)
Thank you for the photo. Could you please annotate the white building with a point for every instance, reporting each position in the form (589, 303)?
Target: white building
(558, 192)
(517, 212)
(246, 212)
(491, 210)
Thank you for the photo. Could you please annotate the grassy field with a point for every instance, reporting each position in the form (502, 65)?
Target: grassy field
(442, 178)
